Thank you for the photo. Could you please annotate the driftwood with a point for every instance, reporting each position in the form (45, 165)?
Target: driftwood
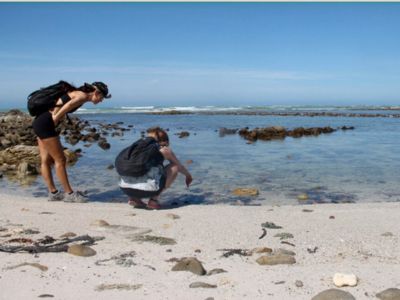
(49, 244)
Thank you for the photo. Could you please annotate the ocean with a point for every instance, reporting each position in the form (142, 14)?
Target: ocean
(360, 165)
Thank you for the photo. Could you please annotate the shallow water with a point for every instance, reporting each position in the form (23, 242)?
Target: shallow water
(360, 165)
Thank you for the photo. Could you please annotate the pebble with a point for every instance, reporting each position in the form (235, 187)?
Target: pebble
(261, 250)
(199, 284)
(298, 283)
(190, 264)
(68, 235)
(284, 252)
(340, 279)
(389, 294)
(276, 259)
(81, 250)
(307, 210)
(215, 271)
(46, 296)
(333, 294)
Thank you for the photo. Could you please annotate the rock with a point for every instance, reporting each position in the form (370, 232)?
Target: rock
(99, 223)
(298, 283)
(25, 168)
(276, 259)
(389, 294)
(333, 294)
(261, 250)
(190, 264)
(173, 216)
(302, 197)
(340, 279)
(189, 162)
(224, 131)
(199, 284)
(68, 235)
(245, 192)
(46, 296)
(104, 145)
(81, 250)
(183, 134)
(215, 271)
(110, 167)
(307, 210)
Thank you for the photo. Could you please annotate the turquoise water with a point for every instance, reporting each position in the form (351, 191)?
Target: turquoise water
(360, 165)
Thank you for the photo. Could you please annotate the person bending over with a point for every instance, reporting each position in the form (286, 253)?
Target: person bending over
(49, 112)
(152, 150)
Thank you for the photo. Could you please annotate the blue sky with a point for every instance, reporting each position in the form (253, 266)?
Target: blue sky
(205, 53)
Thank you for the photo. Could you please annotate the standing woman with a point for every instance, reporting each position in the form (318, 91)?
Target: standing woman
(51, 150)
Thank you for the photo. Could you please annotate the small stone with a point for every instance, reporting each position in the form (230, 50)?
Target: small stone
(280, 282)
(197, 251)
(307, 210)
(340, 279)
(101, 223)
(173, 216)
(245, 192)
(46, 296)
(190, 264)
(333, 294)
(110, 167)
(215, 271)
(276, 259)
(262, 250)
(298, 283)
(331, 217)
(189, 162)
(199, 284)
(302, 197)
(389, 294)
(68, 235)
(81, 250)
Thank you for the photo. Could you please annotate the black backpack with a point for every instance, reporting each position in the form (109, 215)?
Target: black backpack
(137, 159)
(44, 99)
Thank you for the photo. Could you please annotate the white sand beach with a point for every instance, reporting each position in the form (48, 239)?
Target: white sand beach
(360, 239)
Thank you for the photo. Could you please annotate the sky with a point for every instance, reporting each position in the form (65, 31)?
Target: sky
(185, 54)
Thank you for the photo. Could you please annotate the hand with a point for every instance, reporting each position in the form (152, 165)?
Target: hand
(188, 180)
(53, 116)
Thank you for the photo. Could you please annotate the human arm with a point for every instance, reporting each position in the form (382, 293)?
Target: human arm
(171, 157)
(77, 99)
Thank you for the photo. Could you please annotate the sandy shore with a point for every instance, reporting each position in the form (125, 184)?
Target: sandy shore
(362, 239)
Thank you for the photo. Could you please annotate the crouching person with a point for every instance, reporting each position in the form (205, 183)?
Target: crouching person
(142, 171)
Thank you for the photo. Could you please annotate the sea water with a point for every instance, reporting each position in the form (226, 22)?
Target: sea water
(360, 165)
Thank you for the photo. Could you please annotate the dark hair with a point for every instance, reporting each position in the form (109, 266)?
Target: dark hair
(86, 88)
(161, 135)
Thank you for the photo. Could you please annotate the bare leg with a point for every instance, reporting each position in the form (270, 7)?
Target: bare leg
(55, 150)
(172, 173)
(45, 167)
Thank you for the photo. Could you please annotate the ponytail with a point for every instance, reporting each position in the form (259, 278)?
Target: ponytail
(86, 88)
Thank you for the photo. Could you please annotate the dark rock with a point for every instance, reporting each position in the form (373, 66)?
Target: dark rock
(224, 131)
(104, 145)
(333, 294)
(270, 225)
(190, 264)
(110, 167)
(183, 134)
